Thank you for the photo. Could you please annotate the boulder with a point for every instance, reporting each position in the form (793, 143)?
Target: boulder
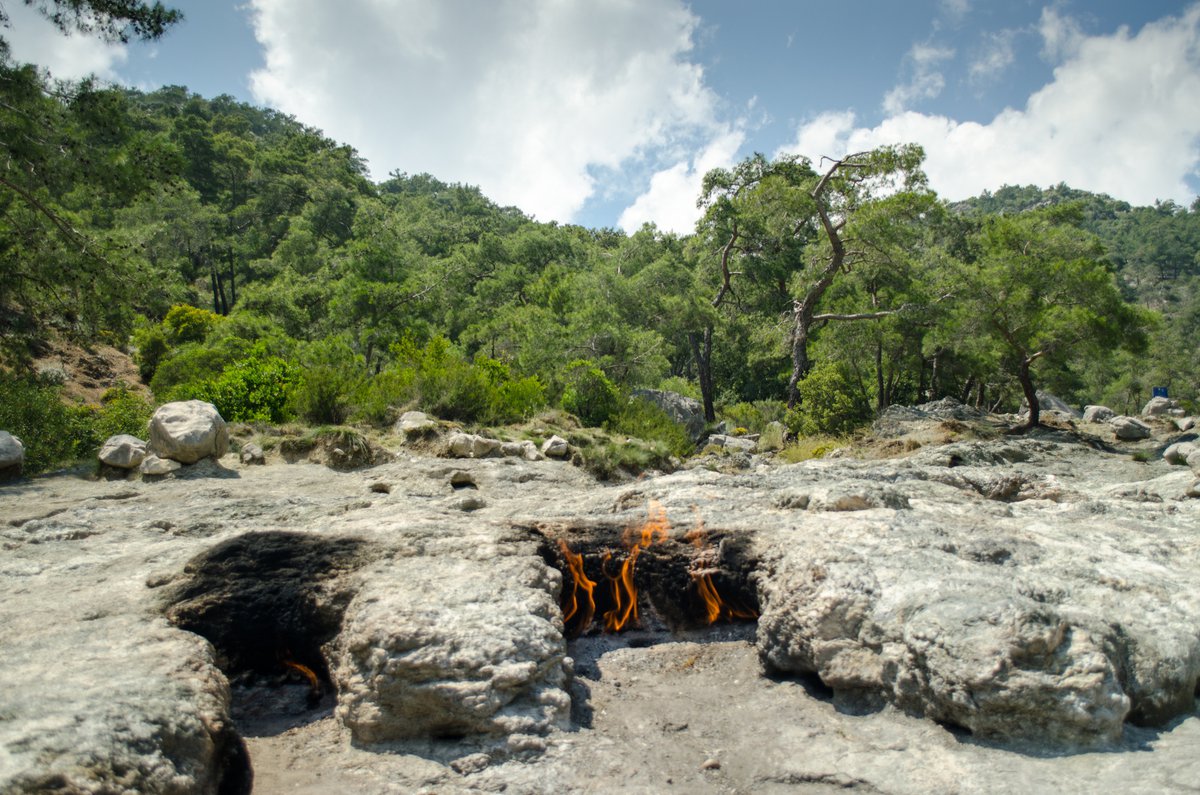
(415, 423)
(187, 431)
(12, 456)
(524, 449)
(1129, 428)
(556, 447)
(1098, 414)
(469, 445)
(123, 451)
(155, 467)
(687, 411)
(926, 647)
(1178, 453)
(252, 453)
(734, 443)
(1185, 423)
(486, 657)
(1193, 461)
(1158, 406)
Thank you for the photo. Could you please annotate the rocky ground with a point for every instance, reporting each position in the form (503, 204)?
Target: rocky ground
(1015, 614)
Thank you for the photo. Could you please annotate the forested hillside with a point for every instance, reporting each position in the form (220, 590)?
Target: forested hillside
(246, 259)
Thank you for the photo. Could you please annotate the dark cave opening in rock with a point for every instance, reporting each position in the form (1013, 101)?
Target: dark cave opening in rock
(650, 580)
(268, 602)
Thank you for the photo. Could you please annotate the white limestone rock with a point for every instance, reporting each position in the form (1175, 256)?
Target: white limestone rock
(1158, 406)
(469, 445)
(1178, 453)
(556, 447)
(187, 431)
(452, 646)
(123, 451)
(12, 456)
(1098, 414)
(252, 453)
(415, 423)
(154, 466)
(1129, 428)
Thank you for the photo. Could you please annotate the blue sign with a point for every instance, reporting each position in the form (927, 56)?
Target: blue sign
(1160, 391)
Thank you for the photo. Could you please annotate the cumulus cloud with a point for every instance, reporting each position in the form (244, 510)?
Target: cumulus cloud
(1119, 117)
(925, 82)
(670, 201)
(34, 39)
(525, 99)
(1062, 36)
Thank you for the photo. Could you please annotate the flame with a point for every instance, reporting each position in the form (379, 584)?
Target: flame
(313, 682)
(622, 588)
(579, 581)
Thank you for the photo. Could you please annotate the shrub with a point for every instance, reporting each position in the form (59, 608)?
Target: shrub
(754, 417)
(32, 410)
(589, 394)
(257, 389)
(645, 420)
(120, 411)
(827, 403)
(55, 433)
(185, 323)
(331, 376)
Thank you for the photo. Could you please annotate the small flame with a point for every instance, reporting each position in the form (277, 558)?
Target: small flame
(314, 683)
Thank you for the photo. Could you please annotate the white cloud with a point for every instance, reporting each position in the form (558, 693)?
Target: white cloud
(521, 98)
(670, 201)
(926, 81)
(1119, 117)
(1062, 36)
(34, 39)
(994, 57)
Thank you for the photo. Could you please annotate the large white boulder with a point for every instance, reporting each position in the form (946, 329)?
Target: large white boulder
(12, 456)
(123, 451)
(1158, 406)
(1178, 453)
(1129, 428)
(188, 430)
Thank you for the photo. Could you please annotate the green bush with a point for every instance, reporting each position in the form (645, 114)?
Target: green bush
(332, 375)
(589, 394)
(185, 323)
(191, 367)
(32, 410)
(644, 420)
(827, 404)
(120, 411)
(258, 389)
(447, 385)
(56, 433)
(754, 417)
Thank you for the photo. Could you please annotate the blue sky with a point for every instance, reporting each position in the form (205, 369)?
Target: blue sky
(608, 113)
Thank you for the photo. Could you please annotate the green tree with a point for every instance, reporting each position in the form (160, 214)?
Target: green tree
(1038, 294)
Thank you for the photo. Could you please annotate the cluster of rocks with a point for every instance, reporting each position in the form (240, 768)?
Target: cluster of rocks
(181, 433)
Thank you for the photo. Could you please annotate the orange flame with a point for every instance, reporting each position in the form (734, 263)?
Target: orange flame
(313, 682)
(622, 588)
(579, 581)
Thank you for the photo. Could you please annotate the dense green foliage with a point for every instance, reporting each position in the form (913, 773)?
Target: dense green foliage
(246, 259)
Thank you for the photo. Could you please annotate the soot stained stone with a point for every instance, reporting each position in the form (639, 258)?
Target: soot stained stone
(263, 598)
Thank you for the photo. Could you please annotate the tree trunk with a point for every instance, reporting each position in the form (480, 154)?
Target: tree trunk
(702, 355)
(881, 398)
(1030, 393)
(800, 363)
